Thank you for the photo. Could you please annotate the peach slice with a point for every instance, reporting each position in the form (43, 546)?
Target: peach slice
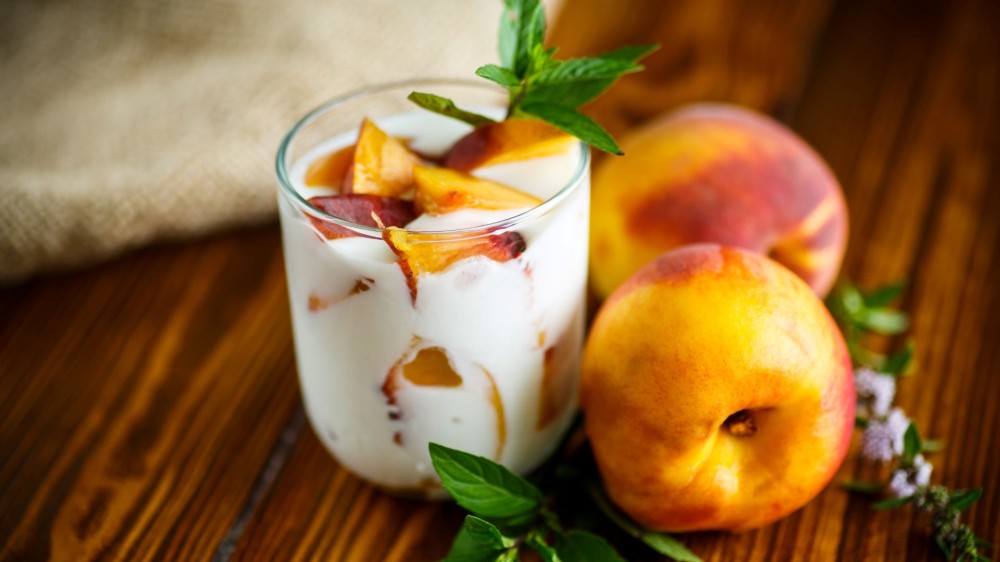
(431, 366)
(358, 208)
(440, 191)
(332, 170)
(382, 164)
(509, 140)
(419, 254)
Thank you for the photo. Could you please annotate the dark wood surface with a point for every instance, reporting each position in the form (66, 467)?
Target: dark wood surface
(149, 408)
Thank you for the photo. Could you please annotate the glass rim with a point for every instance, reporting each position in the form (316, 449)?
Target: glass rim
(288, 190)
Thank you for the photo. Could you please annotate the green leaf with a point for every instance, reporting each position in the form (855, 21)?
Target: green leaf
(669, 546)
(581, 546)
(540, 59)
(589, 68)
(630, 52)
(964, 499)
(539, 545)
(943, 545)
(660, 542)
(484, 487)
(932, 445)
(863, 487)
(478, 541)
(446, 107)
(860, 422)
(851, 299)
(573, 122)
(900, 362)
(883, 321)
(892, 503)
(498, 74)
(522, 26)
(884, 296)
(912, 445)
(553, 87)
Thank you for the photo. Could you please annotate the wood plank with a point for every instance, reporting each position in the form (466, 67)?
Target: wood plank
(146, 398)
(149, 408)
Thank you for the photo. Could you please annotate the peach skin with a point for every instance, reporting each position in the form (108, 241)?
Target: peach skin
(716, 173)
(717, 392)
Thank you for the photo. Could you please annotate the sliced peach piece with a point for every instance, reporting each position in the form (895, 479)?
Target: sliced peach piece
(382, 164)
(358, 208)
(422, 254)
(432, 367)
(440, 190)
(331, 171)
(509, 140)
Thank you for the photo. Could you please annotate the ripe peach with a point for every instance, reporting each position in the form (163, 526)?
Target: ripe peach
(717, 391)
(716, 173)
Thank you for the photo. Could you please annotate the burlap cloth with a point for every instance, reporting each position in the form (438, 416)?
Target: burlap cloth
(123, 122)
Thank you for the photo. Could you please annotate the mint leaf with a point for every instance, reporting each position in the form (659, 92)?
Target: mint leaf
(581, 546)
(660, 542)
(573, 122)
(884, 295)
(575, 70)
(498, 74)
(539, 545)
(669, 546)
(892, 503)
(883, 321)
(484, 487)
(522, 26)
(963, 499)
(478, 541)
(911, 444)
(585, 88)
(630, 52)
(446, 107)
(900, 362)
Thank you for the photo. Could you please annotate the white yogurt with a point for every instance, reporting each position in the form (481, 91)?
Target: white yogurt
(355, 324)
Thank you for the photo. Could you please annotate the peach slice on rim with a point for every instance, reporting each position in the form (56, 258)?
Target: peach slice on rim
(440, 190)
(510, 140)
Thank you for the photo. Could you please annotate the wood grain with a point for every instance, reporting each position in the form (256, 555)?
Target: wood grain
(149, 408)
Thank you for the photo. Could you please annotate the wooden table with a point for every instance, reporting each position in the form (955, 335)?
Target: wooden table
(150, 409)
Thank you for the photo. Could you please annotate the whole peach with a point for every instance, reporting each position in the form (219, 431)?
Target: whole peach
(717, 392)
(716, 173)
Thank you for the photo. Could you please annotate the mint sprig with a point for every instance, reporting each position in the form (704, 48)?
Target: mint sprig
(860, 316)
(541, 86)
(510, 514)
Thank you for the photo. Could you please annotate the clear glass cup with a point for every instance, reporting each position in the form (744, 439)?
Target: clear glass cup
(481, 355)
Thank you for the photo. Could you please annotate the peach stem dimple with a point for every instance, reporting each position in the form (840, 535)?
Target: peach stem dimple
(740, 424)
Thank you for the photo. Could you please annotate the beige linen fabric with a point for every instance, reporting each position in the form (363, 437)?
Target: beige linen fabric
(123, 122)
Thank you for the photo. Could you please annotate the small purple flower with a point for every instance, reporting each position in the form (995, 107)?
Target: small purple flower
(900, 485)
(921, 471)
(906, 481)
(883, 438)
(876, 391)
